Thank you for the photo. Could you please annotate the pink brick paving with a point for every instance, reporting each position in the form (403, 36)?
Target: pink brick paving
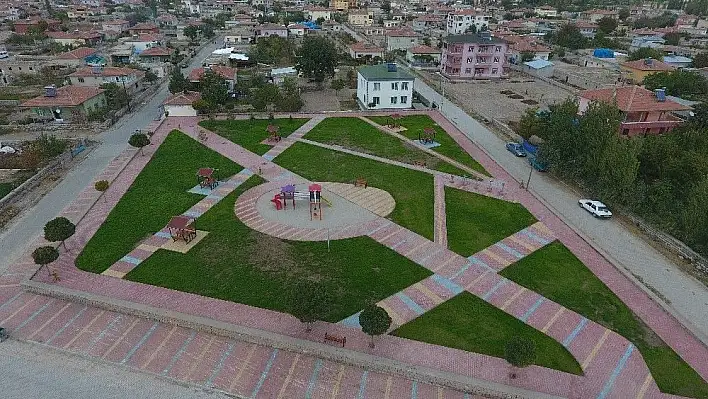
(444, 359)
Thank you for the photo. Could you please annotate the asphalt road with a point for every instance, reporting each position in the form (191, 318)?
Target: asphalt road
(30, 371)
(13, 242)
(688, 297)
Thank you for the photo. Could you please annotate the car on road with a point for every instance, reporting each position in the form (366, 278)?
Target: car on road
(516, 149)
(596, 208)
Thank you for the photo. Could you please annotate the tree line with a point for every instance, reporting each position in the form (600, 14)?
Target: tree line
(662, 178)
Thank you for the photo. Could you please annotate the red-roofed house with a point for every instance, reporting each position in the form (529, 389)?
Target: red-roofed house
(145, 27)
(268, 30)
(67, 102)
(423, 55)
(588, 29)
(644, 112)
(636, 71)
(401, 39)
(156, 55)
(525, 44)
(361, 50)
(116, 26)
(79, 56)
(228, 73)
(296, 30)
(23, 25)
(97, 76)
(180, 104)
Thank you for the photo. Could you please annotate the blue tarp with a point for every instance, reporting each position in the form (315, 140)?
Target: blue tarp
(530, 148)
(603, 53)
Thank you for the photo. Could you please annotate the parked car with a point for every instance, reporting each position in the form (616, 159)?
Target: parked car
(596, 208)
(516, 149)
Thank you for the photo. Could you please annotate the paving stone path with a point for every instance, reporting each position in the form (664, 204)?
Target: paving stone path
(612, 366)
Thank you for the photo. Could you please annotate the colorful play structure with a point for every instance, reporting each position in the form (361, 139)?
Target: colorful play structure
(206, 177)
(314, 196)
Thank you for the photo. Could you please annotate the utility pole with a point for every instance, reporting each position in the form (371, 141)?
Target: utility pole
(126, 94)
(528, 181)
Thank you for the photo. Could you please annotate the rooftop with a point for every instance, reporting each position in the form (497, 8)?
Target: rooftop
(225, 72)
(183, 98)
(474, 38)
(77, 54)
(382, 72)
(404, 32)
(633, 99)
(648, 65)
(66, 96)
(423, 49)
(106, 71)
(156, 51)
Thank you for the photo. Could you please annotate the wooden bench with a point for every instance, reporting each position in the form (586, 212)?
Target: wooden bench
(361, 182)
(335, 338)
(420, 163)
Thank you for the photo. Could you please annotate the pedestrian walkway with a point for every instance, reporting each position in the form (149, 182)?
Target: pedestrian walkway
(440, 231)
(291, 139)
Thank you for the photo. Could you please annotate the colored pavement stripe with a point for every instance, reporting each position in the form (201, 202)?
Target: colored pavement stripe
(313, 379)
(414, 390)
(494, 289)
(510, 250)
(410, 303)
(33, 316)
(644, 387)
(595, 349)
(131, 259)
(552, 320)
(140, 343)
(569, 339)
(163, 234)
(451, 286)
(532, 309)
(61, 330)
(513, 297)
(179, 353)
(351, 321)
(616, 372)
(362, 384)
(264, 374)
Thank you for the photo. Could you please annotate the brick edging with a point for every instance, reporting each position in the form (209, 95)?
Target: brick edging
(266, 338)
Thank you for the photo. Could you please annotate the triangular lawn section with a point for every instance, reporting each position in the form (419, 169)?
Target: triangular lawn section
(358, 135)
(237, 264)
(158, 193)
(554, 272)
(475, 221)
(471, 324)
(250, 133)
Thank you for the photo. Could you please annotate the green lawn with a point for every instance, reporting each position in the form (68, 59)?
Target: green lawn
(412, 190)
(238, 264)
(250, 133)
(158, 193)
(5, 188)
(554, 272)
(475, 221)
(356, 134)
(17, 179)
(448, 146)
(468, 323)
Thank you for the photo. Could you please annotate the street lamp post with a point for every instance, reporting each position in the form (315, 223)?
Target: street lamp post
(528, 181)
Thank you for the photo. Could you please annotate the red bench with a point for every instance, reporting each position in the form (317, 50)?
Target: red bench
(335, 338)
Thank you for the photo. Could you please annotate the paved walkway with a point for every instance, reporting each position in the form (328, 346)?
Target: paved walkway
(612, 366)
(440, 232)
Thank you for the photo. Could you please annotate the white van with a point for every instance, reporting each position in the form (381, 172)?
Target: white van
(4, 54)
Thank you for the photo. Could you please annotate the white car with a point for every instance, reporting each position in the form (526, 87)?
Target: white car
(596, 208)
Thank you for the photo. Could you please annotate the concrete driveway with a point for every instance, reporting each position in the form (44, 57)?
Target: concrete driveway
(687, 296)
(114, 140)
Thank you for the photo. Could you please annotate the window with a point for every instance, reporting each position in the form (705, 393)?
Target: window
(394, 86)
(404, 99)
(377, 86)
(404, 85)
(394, 100)
(496, 59)
(468, 70)
(81, 80)
(469, 60)
(31, 69)
(376, 100)
(495, 71)
(470, 49)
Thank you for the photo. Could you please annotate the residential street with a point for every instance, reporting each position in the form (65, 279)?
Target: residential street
(14, 240)
(686, 295)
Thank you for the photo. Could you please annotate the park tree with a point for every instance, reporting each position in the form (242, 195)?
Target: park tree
(374, 321)
(607, 25)
(139, 140)
(527, 56)
(263, 97)
(520, 351)
(102, 186)
(116, 96)
(59, 229)
(644, 53)
(289, 99)
(213, 88)
(150, 76)
(623, 14)
(471, 29)
(178, 83)
(45, 255)
(531, 124)
(309, 302)
(273, 50)
(672, 38)
(338, 84)
(317, 58)
(697, 7)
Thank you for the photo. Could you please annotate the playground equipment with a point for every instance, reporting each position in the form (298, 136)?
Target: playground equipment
(315, 201)
(394, 122)
(427, 136)
(273, 135)
(314, 196)
(207, 178)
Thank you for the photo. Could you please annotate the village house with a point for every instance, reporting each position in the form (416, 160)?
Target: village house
(636, 71)
(129, 78)
(228, 73)
(363, 50)
(384, 86)
(460, 21)
(267, 30)
(423, 55)
(313, 13)
(180, 104)
(361, 18)
(67, 103)
(474, 56)
(401, 39)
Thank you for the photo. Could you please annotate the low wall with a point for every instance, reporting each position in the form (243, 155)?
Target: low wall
(35, 180)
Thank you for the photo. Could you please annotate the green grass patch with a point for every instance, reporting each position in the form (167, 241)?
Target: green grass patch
(415, 124)
(238, 264)
(554, 272)
(412, 190)
(158, 193)
(468, 323)
(250, 133)
(475, 221)
(5, 188)
(355, 134)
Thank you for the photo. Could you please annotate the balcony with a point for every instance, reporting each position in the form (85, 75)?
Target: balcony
(655, 126)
